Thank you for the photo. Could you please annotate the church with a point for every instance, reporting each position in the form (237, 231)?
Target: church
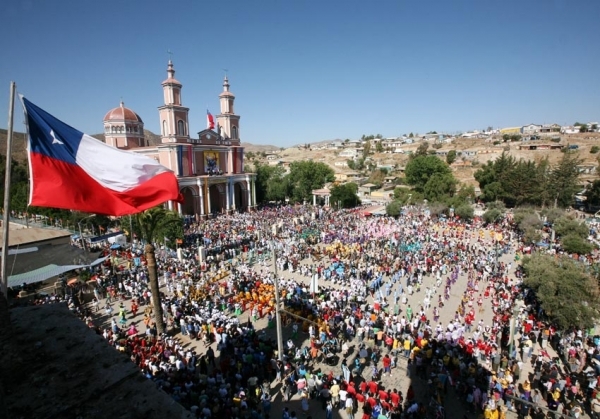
(209, 169)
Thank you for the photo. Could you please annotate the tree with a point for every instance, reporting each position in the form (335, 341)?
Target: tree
(451, 157)
(266, 176)
(564, 179)
(492, 215)
(567, 294)
(420, 169)
(377, 177)
(564, 226)
(351, 164)
(439, 186)
(306, 175)
(583, 128)
(465, 211)
(594, 149)
(553, 214)
(421, 150)
(394, 208)
(150, 223)
(367, 149)
(411, 135)
(379, 147)
(593, 193)
(573, 243)
(344, 196)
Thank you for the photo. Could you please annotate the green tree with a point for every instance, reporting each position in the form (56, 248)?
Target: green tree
(465, 211)
(351, 164)
(594, 149)
(553, 214)
(411, 135)
(153, 223)
(451, 157)
(492, 215)
(567, 294)
(439, 186)
(306, 175)
(344, 196)
(379, 147)
(593, 193)
(583, 128)
(394, 208)
(421, 168)
(265, 176)
(564, 226)
(564, 179)
(573, 243)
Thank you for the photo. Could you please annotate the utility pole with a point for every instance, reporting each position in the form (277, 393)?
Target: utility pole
(512, 329)
(277, 305)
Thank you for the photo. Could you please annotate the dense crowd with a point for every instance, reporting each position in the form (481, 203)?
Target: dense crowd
(377, 298)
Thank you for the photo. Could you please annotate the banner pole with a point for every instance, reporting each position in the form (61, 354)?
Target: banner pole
(7, 181)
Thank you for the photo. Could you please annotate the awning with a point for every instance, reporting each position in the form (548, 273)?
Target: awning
(98, 261)
(39, 275)
(47, 272)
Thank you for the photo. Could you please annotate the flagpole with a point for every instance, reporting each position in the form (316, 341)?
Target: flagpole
(7, 180)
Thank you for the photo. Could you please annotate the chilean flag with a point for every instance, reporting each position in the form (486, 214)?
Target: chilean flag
(210, 121)
(71, 170)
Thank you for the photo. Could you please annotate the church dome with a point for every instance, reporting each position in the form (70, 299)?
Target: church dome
(121, 113)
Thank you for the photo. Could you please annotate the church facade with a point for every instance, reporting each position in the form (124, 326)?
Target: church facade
(210, 168)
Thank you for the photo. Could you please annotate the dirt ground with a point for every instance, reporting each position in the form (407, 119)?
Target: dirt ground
(53, 366)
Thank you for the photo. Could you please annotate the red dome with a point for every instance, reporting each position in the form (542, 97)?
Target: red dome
(121, 113)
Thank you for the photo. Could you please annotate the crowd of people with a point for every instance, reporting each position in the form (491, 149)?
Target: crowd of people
(366, 298)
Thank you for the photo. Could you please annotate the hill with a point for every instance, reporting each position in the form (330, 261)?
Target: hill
(19, 145)
(472, 153)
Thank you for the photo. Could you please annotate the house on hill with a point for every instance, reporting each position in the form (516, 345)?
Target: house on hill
(366, 189)
(530, 129)
(540, 147)
(547, 128)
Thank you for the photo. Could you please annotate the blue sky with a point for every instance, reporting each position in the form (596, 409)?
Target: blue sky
(309, 70)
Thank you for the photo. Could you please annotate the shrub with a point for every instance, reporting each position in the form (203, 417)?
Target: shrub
(594, 149)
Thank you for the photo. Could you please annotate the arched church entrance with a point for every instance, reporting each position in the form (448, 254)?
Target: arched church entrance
(217, 195)
(189, 198)
(239, 197)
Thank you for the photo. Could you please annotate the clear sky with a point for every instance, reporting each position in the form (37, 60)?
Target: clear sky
(309, 70)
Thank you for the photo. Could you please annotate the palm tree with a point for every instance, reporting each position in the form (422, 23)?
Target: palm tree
(151, 223)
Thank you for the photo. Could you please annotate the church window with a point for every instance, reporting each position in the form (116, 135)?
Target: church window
(180, 127)
(234, 132)
(164, 127)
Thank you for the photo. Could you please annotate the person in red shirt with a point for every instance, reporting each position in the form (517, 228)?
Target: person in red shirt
(363, 387)
(395, 398)
(373, 387)
(383, 395)
(387, 365)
